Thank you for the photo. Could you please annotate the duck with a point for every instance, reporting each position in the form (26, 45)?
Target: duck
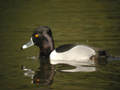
(83, 57)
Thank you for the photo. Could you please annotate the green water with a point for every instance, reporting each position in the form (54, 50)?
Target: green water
(91, 22)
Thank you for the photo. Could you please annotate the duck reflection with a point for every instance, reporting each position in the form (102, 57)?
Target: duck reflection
(43, 76)
(45, 73)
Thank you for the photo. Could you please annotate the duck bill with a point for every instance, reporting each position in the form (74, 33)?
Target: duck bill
(27, 45)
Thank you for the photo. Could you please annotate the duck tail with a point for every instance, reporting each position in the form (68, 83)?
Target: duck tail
(104, 57)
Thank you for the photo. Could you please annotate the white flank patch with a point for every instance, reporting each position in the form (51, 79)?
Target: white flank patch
(77, 56)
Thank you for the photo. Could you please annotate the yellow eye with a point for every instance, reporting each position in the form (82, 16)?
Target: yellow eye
(36, 35)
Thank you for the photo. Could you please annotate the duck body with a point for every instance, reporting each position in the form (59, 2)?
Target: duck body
(74, 55)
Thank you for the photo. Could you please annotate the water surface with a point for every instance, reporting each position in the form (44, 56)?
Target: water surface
(91, 22)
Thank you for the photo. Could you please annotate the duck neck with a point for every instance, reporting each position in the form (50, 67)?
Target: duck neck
(47, 47)
(45, 53)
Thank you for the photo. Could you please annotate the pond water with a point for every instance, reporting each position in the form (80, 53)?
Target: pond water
(91, 22)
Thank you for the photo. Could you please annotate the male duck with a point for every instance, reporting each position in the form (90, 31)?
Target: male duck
(81, 56)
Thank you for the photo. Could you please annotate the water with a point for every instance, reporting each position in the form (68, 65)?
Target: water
(91, 22)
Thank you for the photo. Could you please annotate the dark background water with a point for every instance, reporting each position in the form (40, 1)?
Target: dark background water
(91, 22)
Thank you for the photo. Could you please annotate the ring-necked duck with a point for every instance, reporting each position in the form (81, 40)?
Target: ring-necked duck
(83, 57)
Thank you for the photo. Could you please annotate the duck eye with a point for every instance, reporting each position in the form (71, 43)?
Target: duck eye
(36, 35)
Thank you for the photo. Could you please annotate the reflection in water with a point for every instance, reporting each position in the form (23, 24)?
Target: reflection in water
(43, 76)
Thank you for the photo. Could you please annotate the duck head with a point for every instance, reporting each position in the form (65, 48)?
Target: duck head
(42, 38)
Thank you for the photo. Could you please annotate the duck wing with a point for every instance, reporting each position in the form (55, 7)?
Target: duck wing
(64, 48)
